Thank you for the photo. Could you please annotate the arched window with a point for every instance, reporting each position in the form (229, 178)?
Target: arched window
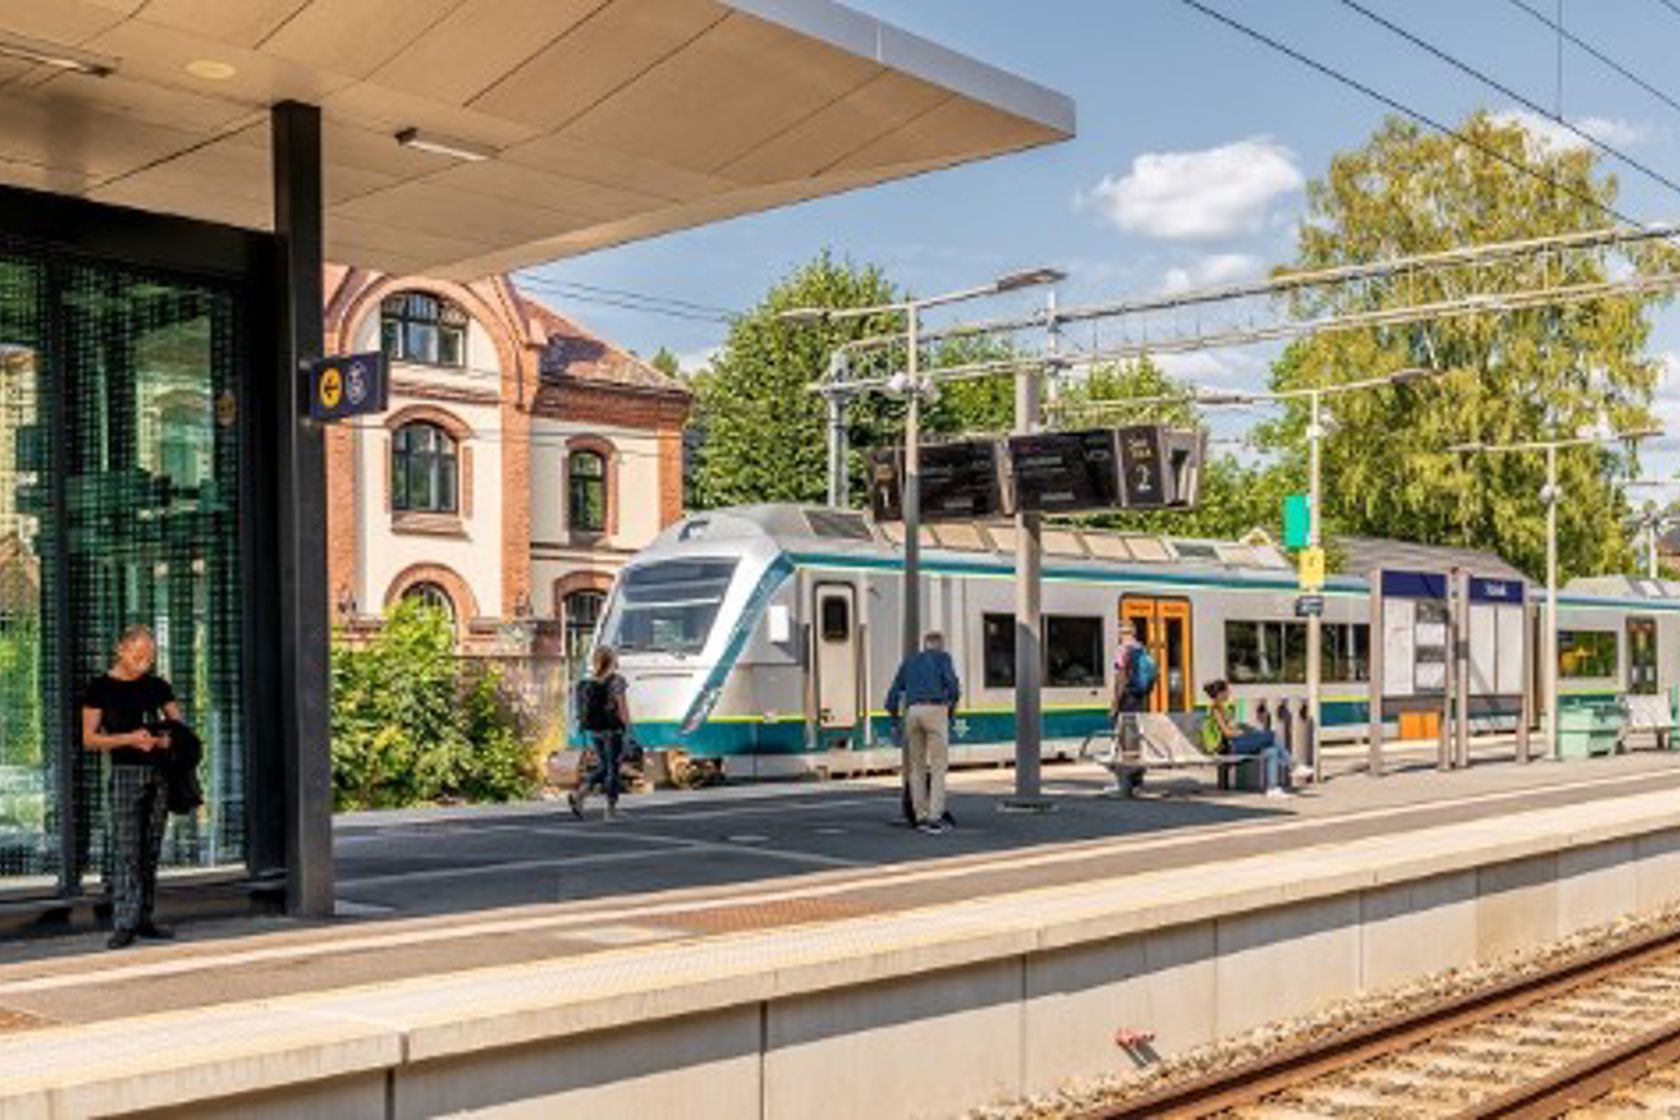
(586, 480)
(423, 469)
(583, 611)
(433, 596)
(417, 327)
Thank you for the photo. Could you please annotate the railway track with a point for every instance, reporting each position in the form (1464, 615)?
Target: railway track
(1597, 1038)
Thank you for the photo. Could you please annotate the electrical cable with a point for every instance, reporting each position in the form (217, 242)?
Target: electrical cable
(1407, 111)
(628, 305)
(1494, 83)
(673, 301)
(1592, 51)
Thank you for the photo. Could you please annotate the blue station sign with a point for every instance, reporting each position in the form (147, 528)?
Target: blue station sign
(348, 385)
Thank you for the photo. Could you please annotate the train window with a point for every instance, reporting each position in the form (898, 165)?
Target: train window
(998, 640)
(667, 606)
(1642, 656)
(1587, 653)
(1265, 652)
(836, 619)
(1073, 651)
(1346, 655)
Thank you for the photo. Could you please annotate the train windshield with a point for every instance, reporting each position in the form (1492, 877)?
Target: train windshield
(667, 606)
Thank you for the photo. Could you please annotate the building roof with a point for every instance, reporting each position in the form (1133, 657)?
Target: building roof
(1366, 554)
(571, 350)
(603, 121)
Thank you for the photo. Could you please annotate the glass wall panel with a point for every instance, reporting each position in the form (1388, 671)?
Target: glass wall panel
(152, 449)
(29, 842)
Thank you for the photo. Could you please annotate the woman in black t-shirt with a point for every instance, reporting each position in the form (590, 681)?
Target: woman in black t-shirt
(121, 711)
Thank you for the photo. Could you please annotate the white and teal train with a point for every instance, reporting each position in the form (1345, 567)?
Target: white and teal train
(770, 633)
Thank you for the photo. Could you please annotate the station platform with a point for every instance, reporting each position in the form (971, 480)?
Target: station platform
(750, 952)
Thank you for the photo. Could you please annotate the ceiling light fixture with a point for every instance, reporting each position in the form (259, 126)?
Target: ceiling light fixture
(211, 69)
(444, 145)
(60, 57)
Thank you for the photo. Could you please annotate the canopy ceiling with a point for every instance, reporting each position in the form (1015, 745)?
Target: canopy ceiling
(604, 120)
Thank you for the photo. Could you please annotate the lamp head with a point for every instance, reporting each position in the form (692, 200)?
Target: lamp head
(1028, 278)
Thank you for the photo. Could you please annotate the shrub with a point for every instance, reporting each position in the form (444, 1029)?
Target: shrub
(412, 722)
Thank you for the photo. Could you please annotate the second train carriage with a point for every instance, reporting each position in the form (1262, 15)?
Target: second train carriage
(771, 633)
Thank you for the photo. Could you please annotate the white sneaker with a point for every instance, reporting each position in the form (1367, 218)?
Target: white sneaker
(1277, 793)
(1302, 773)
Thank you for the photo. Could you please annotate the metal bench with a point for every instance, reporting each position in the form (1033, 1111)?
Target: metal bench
(1161, 745)
(1648, 714)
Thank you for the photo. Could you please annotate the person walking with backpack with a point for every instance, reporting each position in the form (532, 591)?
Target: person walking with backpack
(1135, 672)
(603, 699)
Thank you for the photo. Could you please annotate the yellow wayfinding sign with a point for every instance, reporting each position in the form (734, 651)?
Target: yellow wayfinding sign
(1312, 569)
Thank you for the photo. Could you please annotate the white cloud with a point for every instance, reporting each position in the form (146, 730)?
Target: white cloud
(1212, 271)
(693, 361)
(1237, 368)
(1551, 137)
(1204, 195)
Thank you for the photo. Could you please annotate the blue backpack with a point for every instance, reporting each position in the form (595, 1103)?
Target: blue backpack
(1141, 671)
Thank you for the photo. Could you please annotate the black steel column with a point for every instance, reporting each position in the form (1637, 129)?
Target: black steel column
(302, 516)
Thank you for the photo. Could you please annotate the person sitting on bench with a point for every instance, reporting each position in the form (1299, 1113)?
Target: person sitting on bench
(1222, 734)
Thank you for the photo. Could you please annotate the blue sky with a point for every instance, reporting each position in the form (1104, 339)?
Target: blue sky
(1167, 99)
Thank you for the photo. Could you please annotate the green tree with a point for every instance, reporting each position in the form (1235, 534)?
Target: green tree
(764, 430)
(1512, 377)
(666, 362)
(758, 433)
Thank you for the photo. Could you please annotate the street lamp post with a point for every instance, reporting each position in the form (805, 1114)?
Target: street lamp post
(1550, 495)
(1315, 625)
(910, 498)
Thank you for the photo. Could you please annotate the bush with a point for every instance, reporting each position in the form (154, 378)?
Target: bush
(413, 723)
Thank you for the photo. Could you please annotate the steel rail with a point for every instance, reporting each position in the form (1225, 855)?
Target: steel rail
(1251, 1082)
(1580, 1083)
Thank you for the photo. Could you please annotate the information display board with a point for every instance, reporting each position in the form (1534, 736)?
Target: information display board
(1143, 460)
(959, 481)
(1061, 472)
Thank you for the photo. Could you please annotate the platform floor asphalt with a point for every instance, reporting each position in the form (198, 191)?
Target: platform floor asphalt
(442, 890)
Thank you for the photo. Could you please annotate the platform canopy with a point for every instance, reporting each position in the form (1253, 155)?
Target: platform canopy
(537, 129)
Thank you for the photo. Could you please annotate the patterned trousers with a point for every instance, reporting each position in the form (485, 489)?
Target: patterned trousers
(139, 811)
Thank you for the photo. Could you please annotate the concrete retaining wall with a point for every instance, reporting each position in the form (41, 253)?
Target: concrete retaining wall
(917, 1015)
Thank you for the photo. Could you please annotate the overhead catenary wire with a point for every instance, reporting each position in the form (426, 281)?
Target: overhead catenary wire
(1595, 53)
(1491, 82)
(1402, 108)
(552, 288)
(627, 293)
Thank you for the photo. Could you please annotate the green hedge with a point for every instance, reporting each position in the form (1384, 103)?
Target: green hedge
(414, 723)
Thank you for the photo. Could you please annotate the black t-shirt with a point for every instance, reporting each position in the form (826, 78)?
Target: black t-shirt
(126, 706)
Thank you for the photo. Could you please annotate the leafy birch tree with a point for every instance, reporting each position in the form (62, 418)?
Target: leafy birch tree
(1511, 377)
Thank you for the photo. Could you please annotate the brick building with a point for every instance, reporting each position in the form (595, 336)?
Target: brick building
(521, 462)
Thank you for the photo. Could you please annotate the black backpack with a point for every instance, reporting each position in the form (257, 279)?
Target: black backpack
(595, 702)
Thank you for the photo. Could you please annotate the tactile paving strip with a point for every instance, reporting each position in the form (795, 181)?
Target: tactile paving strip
(761, 915)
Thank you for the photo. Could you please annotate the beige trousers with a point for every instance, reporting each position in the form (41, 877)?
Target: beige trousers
(927, 735)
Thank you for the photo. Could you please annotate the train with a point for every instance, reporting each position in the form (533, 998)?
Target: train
(762, 639)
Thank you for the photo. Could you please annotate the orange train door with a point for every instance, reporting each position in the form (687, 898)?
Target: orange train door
(1163, 625)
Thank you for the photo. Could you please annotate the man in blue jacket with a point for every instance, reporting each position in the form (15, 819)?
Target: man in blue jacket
(924, 695)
